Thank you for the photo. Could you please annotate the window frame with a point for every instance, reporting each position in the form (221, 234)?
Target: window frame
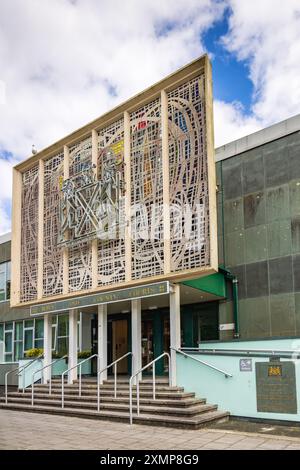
(7, 278)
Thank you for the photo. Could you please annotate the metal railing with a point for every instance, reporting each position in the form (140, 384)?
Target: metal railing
(136, 374)
(19, 369)
(113, 364)
(227, 374)
(40, 370)
(68, 370)
(246, 352)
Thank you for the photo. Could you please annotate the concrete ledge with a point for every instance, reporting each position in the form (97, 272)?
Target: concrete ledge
(268, 134)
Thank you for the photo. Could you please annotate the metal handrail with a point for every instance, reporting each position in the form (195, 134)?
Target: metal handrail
(50, 381)
(27, 365)
(68, 370)
(19, 369)
(153, 383)
(249, 352)
(227, 374)
(115, 377)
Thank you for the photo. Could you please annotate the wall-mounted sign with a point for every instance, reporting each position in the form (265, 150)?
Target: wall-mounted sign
(245, 365)
(226, 326)
(132, 293)
(276, 387)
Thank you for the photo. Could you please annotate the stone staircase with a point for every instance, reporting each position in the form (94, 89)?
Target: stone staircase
(172, 406)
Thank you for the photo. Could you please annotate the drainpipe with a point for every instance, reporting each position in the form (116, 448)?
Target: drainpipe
(235, 297)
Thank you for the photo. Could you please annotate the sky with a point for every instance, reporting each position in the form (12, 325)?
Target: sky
(65, 62)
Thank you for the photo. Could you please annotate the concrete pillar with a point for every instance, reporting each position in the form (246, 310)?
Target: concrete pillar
(47, 346)
(136, 336)
(175, 334)
(102, 339)
(72, 345)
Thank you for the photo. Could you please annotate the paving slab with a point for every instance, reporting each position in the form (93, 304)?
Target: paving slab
(60, 432)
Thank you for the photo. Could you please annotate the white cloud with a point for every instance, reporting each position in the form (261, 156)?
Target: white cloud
(5, 192)
(59, 59)
(266, 34)
(231, 122)
(5, 224)
(63, 62)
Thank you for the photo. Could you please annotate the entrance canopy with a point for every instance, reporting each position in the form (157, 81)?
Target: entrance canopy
(153, 296)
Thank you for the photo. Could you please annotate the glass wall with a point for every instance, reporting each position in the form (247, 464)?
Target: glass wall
(5, 269)
(20, 336)
(8, 341)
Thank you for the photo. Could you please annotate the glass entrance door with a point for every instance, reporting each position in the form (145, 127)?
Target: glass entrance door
(120, 344)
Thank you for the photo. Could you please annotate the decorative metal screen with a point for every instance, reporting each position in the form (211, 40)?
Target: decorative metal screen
(147, 191)
(156, 154)
(80, 255)
(111, 252)
(188, 176)
(29, 231)
(52, 256)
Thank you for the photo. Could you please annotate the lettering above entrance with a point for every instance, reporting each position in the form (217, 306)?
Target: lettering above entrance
(149, 290)
(129, 198)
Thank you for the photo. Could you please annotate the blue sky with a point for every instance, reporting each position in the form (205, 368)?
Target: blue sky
(230, 76)
(65, 63)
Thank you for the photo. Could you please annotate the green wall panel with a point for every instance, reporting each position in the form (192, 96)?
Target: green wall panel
(214, 284)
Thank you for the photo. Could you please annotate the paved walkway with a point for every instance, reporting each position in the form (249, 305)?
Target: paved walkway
(19, 430)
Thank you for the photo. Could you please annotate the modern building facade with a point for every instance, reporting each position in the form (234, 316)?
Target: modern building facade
(258, 187)
(110, 219)
(87, 276)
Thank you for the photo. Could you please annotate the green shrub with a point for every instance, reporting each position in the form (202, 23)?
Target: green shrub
(84, 354)
(56, 355)
(34, 352)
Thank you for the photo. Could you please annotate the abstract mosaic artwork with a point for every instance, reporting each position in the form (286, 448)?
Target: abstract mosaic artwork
(147, 191)
(80, 255)
(52, 252)
(111, 251)
(188, 176)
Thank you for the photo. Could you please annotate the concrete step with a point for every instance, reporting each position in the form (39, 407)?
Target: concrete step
(107, 392)
(107, 399)
(170, 410)
(121, 381)
(194, 422)
(148, 380)
(110, 386)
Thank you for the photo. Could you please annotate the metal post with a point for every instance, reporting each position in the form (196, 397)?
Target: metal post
(137, 396)
(130, 400)
(98, 395)
(153, 380)
(80, 379)
(32, 390)
(115, 372)
(6, 388)
(62, 390)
